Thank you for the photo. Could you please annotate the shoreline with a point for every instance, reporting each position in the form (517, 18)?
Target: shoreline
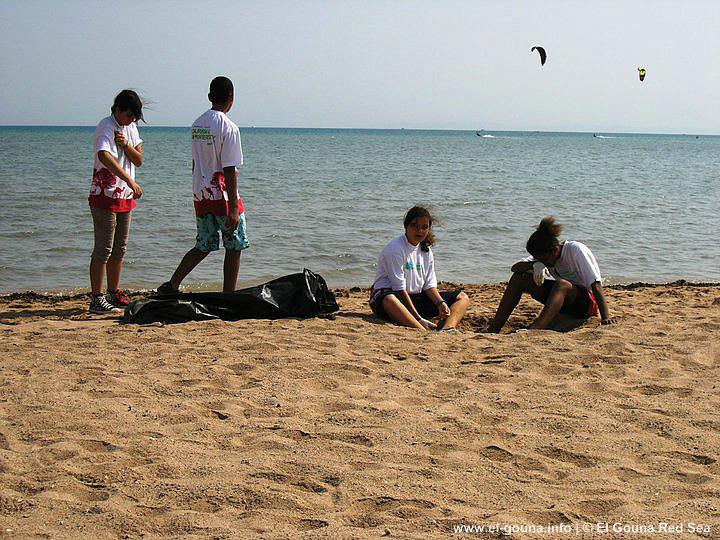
(64, 295)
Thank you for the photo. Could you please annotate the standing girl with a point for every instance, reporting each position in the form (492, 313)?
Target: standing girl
(405, 288)
(576, 288)
(117, 151)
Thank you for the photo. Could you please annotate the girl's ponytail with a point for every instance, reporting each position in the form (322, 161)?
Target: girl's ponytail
(545, 238)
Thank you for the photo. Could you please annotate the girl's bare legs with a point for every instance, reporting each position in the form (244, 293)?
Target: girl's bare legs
(457, 312)
(522, 282)
(518, 284)
(398, 313)
(563, 292)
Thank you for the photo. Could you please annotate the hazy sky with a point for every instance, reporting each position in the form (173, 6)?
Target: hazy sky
(375, 64)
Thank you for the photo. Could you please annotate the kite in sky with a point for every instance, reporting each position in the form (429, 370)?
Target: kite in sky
(542, 54)
(641, 73)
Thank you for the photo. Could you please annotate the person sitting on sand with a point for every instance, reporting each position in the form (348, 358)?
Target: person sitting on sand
(576, 288)
(405, 288)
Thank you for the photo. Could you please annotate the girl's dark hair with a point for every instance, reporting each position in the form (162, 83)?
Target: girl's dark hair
(221, 90)
(419, 212)
(545, 238)
(128, 100)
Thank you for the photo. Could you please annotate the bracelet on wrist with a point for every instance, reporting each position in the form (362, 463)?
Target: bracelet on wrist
(440, 302)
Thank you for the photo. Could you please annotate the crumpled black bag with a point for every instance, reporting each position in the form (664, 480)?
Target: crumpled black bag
(302, 295)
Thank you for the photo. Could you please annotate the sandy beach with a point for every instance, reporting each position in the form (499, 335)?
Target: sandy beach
(351, 428)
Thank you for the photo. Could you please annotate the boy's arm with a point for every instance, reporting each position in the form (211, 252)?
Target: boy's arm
(233, 218)
(599, 294)
(107, 159)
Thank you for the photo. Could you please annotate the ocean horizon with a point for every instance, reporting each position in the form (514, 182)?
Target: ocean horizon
(143, 127)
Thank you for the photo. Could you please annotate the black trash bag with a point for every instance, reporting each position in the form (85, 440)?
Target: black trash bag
(300, 295)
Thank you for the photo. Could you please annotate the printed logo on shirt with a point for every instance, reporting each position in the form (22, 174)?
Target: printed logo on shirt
(410, 266)
(202, 134)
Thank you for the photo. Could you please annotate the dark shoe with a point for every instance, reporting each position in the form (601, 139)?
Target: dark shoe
(118, 298)
(167, 288)
(100, 305)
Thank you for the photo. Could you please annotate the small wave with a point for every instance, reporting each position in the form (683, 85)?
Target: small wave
(17, 234)
(473, 202)
(487, 136)
(63, 249)
(603, 137)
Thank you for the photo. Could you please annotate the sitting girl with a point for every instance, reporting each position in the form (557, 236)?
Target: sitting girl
(405, 288)
(576, 288)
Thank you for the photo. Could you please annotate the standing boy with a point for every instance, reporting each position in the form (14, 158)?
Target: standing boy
(217, 152)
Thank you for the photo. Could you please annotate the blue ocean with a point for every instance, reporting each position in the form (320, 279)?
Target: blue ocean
(647, 205)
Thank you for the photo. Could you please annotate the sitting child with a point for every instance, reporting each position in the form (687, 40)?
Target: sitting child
(576, 288)
(405, 288)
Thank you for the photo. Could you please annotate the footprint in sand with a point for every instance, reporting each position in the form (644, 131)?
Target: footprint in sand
(653, 389)
(692, 478)
(310, 524)
(629, 475)
(495, 453)
(97, 446)
(351, 438)
(95, 491)
(373, 511)
(692, 458)
(600, 508)
(558, 454)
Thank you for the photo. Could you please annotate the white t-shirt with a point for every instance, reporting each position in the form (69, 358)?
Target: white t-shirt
(107, 190)
(215, 144)
(404, 267)
(576, 264)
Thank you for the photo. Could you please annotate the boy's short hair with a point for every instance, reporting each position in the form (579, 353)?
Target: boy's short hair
(221, 90)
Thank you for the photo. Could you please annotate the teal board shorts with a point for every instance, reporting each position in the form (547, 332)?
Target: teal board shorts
(208, 227)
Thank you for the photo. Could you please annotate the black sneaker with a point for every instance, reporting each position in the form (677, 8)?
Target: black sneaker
(167, 288)
(100, 305)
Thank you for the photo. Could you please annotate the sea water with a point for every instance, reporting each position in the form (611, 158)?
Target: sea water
(329, 200)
